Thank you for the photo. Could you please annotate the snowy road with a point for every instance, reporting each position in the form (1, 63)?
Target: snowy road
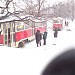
(31, 60)
(65, 39)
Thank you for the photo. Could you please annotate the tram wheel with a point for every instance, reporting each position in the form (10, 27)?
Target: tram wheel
(21, 44)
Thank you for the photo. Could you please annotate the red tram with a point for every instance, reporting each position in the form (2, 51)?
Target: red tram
(57, 23)
(15, 31)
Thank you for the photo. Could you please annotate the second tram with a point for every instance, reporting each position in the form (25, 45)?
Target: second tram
(57, 23)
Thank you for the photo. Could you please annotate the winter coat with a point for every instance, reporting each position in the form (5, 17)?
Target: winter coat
(56, 34)
(45, 35)
(65, 22)
(38, 37)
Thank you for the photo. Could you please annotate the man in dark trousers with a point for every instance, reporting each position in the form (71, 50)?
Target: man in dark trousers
(55, 36)
(38, 37)
(64, 64)
(45, 37)
(65, 22)
(55, 33)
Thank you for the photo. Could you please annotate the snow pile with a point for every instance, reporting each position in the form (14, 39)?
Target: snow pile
(16, 61)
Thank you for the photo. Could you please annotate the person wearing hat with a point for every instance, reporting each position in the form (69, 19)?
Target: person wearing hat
(38, 38)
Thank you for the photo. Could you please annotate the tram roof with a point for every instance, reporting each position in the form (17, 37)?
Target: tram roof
(7, 20)
(27, 17)
(10, 19)
(36, 20)
(59, 18)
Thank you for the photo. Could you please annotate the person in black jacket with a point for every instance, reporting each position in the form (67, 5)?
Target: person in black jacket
(38, 38)
(55, 33)
(65, 23)
(55, 36)
(45, 37)
(64, 64)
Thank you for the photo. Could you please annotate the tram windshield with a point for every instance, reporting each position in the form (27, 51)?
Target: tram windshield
(56, 21)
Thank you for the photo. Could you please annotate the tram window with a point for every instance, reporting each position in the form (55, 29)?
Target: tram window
(60, 21)
(38, 24)
(27, 21)
(27, 26)
(55, 21)
(44, 23)
(4, 28)
(30, 23)
(20, 27)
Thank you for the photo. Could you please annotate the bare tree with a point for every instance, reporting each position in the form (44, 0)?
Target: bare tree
(30, 7)
(5, 9)
(65, 10)
(8, 4)
(40, 3)
(72, 10)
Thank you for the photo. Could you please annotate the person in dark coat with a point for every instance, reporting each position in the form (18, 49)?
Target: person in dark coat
(38, 38)
(64, 64)
(55, 36)
(55, 33)
(65, 23)
(44, 37)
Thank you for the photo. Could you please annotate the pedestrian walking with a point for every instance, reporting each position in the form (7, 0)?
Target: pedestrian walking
(38, 38)
(55, 33)
(45, 37)
(55, 36)
(65, 23)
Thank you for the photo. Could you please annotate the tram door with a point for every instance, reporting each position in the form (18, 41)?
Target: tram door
(9, 39)
(7, 35)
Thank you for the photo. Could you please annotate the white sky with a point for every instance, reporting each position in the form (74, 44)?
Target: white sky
(21, 4)
(54, 1)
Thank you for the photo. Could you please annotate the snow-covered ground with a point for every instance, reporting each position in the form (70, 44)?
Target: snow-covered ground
(31, 60)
